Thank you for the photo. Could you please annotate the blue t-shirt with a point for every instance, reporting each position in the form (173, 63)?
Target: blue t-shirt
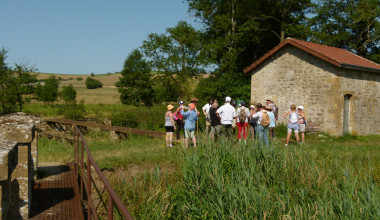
(272, 117)
(190, 118)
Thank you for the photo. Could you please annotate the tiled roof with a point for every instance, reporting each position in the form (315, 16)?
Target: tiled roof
(336, 56)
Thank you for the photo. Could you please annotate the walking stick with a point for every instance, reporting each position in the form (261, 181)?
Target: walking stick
(197, 129)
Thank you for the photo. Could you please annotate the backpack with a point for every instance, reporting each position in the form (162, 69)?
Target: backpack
(242, 115)
(265, 121)
(293, 117)
(175, 117)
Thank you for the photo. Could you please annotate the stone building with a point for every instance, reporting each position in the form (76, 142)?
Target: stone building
(339, 90)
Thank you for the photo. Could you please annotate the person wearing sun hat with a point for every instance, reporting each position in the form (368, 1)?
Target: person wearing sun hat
(272, 124)
(194, 101)
(262, 132)
(252, 122)
(293, 124)
(169, 126)
(302, 121)
(178, 117)
(191, 116)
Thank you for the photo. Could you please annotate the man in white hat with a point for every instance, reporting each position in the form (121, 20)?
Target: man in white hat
(227, 114)
(302, 121)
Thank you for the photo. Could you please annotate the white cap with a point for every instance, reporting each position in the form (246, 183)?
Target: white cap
(300, 107)
(252, 106)
(228, 99)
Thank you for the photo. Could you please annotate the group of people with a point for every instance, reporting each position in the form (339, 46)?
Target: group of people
(181, 119)
(221, 122)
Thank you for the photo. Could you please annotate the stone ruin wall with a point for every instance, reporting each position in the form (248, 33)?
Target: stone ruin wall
(293, 76)
(18, 164)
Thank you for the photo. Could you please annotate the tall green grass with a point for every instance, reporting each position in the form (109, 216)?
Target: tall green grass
(54, 151)
(329, 179)
(248, 182)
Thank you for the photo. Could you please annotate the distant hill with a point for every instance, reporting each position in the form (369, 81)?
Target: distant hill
(106, 95)
(108, 80)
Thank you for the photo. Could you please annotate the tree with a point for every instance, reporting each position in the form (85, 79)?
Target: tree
(49, 91)
(93, 83)
(14, 85)
(351, 24)
(241, 31)
(68, 93)
(176, 56)
(135, 85)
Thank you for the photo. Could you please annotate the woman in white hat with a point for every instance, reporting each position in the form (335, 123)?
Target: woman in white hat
(252, 122)
(169, 126)
(302, 122)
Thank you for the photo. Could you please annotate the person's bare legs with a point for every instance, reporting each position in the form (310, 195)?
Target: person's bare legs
(167, 138)
(194, 141)
(186, 142)
(303, 137)
(170, 138)
(297, 137)
(288, 138)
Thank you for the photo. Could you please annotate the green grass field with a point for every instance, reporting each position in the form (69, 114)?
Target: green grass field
(326, 178)
(330, 177)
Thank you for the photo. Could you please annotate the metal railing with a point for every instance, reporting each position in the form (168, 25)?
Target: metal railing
(84, 172)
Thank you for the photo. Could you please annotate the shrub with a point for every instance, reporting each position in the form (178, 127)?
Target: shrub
(281, 130)
(124, 119)
(72, 111)
(80, 78)
(49, 91)
(68, 94)
(93, 83)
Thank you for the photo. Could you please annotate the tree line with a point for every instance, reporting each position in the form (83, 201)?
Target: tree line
(185, 62)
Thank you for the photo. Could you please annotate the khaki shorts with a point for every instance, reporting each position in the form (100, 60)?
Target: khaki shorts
(208, 123)
(302, 128)
(215, 129)
(189, 134)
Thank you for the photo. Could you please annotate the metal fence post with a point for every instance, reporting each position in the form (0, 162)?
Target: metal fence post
(110, 207)
(89, 187)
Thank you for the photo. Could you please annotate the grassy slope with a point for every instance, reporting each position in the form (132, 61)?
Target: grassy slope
(106, 95)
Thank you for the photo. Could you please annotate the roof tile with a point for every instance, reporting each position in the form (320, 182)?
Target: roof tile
(336, 56)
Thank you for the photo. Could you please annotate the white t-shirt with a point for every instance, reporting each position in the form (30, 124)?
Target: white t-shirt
(246, 113)
(227, 114)
(259, 116)
(206, 108)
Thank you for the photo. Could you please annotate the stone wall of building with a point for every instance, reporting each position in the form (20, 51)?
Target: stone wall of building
(365, 102)
(18, 153)
(293, 76)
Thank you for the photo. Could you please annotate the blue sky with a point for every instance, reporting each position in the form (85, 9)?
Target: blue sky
(82, 36)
